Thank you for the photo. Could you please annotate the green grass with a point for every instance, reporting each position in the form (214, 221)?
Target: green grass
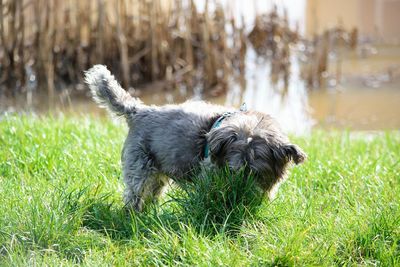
(60, 204)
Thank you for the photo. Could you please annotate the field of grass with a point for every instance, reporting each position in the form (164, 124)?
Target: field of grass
(60, 205)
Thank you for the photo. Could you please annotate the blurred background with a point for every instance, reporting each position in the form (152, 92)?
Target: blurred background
(309, 63)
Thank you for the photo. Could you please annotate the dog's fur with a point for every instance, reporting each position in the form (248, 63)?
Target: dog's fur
(170, 140)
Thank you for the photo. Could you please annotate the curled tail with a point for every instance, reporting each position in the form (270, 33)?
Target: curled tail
(108, 93)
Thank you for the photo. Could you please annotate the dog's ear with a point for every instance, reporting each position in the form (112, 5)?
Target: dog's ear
(220, 139)
(293, 152)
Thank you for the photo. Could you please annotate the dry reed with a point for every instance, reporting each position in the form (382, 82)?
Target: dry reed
(47, 44)
(315, 68)
(272, 38)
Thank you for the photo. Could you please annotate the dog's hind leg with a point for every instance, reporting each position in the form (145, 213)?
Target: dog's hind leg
(133, 194)
(137, 170)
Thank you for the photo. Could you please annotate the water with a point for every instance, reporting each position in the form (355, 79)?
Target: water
(365, 99)
(368, 97)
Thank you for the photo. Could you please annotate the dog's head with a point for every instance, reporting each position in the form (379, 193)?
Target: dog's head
(254, 141)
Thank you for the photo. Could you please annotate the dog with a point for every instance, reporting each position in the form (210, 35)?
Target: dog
(170, 141)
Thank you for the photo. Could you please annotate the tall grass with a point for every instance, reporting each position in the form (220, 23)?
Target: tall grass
(61, 204)
(219, 201)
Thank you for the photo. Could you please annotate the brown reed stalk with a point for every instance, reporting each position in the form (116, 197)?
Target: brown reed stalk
(122, 44)
(100, 31)
(21, 42)
(47, 52)
(2, 37)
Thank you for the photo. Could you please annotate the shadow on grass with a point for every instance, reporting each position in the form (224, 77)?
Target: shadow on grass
(215, 202)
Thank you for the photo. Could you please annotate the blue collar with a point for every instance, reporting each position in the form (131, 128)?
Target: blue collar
(216, 124)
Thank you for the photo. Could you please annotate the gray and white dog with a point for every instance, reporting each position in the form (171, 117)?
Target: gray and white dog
(172, 140)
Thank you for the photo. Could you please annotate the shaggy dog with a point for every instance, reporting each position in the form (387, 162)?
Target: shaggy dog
(172, 140)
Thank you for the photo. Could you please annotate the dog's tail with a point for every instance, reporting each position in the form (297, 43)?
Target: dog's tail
(108, 93)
